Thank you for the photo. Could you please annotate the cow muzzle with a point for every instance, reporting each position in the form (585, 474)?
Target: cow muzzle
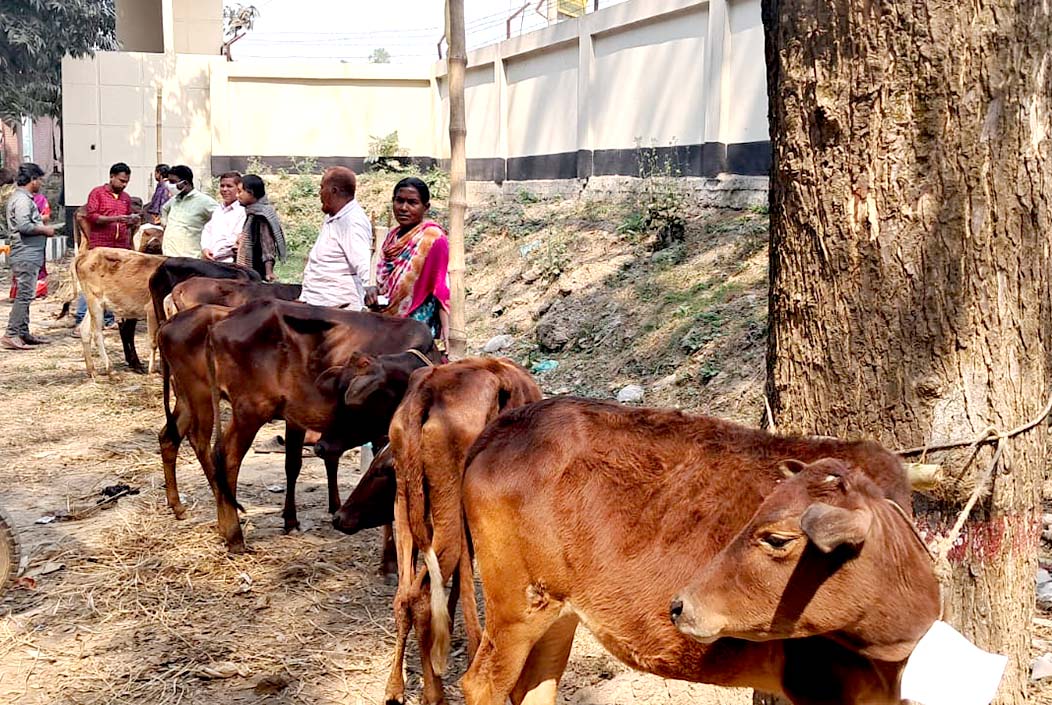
(699, 624)
(327, 450)
(347, 522)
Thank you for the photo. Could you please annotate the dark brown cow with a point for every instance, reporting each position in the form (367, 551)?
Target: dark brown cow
(371, 505)
(444, 411)
(267, 357)
(228, 292)
(588, 511)
(182, 341)
(180, 269)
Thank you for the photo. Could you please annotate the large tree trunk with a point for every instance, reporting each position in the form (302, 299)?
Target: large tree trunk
(910, 246)
(458, 60)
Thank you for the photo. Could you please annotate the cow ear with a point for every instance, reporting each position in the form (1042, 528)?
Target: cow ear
(790, 466)
(328, 380)
(830, 527)
(361, 387)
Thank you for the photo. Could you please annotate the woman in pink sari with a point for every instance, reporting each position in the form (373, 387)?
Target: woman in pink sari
(411, 275)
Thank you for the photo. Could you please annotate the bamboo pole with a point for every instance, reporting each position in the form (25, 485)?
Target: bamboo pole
(457, 64)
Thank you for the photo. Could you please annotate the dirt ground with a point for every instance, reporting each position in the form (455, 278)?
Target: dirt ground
(131, 606)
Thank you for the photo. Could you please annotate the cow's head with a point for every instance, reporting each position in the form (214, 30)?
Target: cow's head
(367, 390)
(371, 503)
(825, 554)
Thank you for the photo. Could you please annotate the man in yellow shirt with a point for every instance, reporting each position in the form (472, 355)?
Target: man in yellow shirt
(184, 216)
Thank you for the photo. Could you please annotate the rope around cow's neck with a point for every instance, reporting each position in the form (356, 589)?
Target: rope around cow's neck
(422, 356)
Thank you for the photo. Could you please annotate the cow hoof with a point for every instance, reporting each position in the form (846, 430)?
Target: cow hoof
(395, 700)
(389, 578)
(238, 547)
(179, 512)
(292, 528)
(137, 369)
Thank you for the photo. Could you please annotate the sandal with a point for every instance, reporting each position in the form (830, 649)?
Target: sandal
(277, 445)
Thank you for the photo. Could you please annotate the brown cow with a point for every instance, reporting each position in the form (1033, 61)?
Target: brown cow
(588, 511)
(266, 358)
(444, 411)
(180, 269)
(228, 292)
(371, 505)
(115, 279)
(182, 341)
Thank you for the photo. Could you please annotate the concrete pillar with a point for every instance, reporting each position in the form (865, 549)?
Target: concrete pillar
(168, 25)
(585, 81)
(714, 152)
(500, 75)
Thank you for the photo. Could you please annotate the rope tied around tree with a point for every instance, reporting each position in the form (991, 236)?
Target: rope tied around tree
(940, 553)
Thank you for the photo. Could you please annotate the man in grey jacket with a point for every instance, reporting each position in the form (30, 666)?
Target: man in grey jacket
(28, 236)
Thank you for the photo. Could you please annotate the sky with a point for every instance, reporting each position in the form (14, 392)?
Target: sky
(350, 30)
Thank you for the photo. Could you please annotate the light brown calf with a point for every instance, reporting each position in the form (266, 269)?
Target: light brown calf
(444, 410)
(118, 280)
(584, 511)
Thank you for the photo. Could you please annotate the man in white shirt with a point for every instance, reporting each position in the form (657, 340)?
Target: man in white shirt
(338, 266)
(219, 237)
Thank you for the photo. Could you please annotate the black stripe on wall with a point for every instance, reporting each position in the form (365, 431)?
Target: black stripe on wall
(698, 160)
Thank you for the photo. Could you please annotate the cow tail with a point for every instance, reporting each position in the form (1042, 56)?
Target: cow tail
(440, 626)
(218, 453)
(75, 282)
(411, 476)
(170, 426)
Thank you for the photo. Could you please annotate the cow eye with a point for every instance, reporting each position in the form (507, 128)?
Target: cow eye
(777, 541)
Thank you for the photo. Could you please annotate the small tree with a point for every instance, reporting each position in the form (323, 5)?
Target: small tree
(380, 56)
(238, 20)
(34, 36)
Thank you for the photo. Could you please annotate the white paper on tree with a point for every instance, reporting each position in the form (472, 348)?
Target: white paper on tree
(947, 669)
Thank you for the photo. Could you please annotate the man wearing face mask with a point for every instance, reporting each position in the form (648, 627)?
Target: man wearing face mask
(185, 215)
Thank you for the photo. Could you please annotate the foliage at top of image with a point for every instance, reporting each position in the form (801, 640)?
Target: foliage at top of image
(34, 36)
(380, 56)
(384, 153)
(238, 20)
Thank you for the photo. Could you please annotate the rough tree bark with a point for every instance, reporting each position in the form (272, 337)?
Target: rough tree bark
(458, 60)
(911, 223)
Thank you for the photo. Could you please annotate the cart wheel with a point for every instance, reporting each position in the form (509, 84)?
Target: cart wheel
(9, 553)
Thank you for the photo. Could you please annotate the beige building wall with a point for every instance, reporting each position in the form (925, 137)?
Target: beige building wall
(197, 26)
(629, 102)
(542, 102)
(306, 110)
(744, 104)
(140, 25)
(110, 114)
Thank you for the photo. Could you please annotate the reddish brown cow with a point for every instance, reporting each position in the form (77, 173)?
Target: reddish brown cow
(442, 414)
(588, 511)
(267, 357)
(228, 292)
